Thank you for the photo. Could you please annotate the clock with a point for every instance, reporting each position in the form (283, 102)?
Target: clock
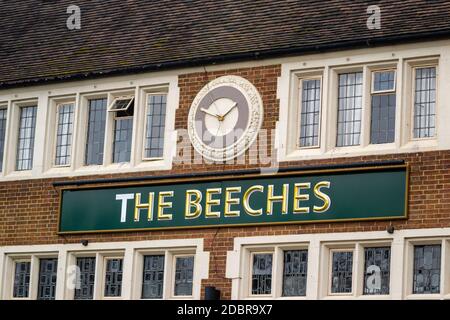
(225, 118)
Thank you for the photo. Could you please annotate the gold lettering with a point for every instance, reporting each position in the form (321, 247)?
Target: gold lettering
(162, 205)
(139, 206)
(300, 197)
(322, 196)
(193, 203)
(230, 201)
(246, 200)
(271, 199)
(209, 202)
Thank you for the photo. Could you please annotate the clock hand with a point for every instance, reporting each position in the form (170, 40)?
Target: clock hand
(210, 113)
(229, 110)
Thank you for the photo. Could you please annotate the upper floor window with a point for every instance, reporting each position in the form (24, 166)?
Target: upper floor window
(64, 134)
(122, 109)
(424, 102)
(96, 131)
(155, 125)
(310, 97)
(383, 101)
(349, 109)
(25, 143)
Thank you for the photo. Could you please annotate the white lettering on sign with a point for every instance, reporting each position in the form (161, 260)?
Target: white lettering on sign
(124, 198)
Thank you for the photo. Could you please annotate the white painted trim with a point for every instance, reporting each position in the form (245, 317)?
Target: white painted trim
(319, 246)
(399, 58)
(67, 252)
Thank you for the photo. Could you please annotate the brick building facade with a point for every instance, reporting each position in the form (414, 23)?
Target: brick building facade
(224, 256)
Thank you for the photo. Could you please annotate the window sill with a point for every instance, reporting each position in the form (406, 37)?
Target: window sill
(424, 297)
(351, 151)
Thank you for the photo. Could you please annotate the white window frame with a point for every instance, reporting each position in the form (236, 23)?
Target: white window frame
(148, 94)
(401, 61)
(318, 75)
(331, 251)
(132, 271)
(5, 107)
(250, 275)
(52, 131)
(413, 65)
(372, 87)
(445, 267)
(34, 258)
(102, 263)
(172, 275)
(120, 98)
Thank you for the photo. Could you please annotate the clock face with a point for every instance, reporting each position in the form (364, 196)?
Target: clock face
(225, 118)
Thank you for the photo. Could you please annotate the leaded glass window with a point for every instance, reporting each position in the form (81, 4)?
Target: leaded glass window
(377, 270)
(153, 277)
(427, 269)
(22, 279)
(96, 132)
(3, 113)
(113, 277)
(86, 278)
(262, 274)
(47, 279)
(425, 102)
(64, 134)
(184, 274)
(295, 272)
(383, 108)
(156, 119)
(123, 131)
(25, 143)
(349, 109)
(310, 113)
(341, 272)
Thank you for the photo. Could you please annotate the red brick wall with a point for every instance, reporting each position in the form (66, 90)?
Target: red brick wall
(29, 209)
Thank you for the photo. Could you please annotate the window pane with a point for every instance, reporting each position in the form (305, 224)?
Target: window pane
(184, 274)
(427, 269)
(377, 270)
(262, 274)
(3, 113)
(349, 109)
(22, 279)
(47, 279)
(113, 277)
(310, 111)
(85, 279)
(425, 102)
(154, 138)
(123, 130)
(153, 278)
(341, 272)
(295, 273)
(383, 118)
(64, 134)
(384, 80)
(96, 131)
(25, 144)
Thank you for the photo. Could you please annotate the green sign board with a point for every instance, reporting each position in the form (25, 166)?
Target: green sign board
(366, 193)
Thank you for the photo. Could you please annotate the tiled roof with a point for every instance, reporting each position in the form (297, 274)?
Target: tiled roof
(120, 36)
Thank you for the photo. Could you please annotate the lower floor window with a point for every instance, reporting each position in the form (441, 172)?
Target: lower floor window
(85, 278)
(22, 279)
(295, 272)
(153, 277)
(377, 270)
(427, 269)
(47, 279)
(341, 272)
(184, 274)
(113, 277)
(262, 274)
